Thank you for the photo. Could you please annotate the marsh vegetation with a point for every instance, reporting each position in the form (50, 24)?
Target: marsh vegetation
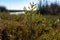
(32, 25)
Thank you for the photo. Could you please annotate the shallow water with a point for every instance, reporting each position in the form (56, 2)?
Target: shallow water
(16, 12)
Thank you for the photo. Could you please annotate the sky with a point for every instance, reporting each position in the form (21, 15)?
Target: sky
(18, 4)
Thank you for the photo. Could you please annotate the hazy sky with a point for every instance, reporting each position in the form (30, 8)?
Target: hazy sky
(17, 4)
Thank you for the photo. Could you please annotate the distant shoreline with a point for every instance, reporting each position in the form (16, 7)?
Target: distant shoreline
(15, 10)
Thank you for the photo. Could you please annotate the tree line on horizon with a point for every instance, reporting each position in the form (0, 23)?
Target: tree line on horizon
(52, 9)
(3, 9)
